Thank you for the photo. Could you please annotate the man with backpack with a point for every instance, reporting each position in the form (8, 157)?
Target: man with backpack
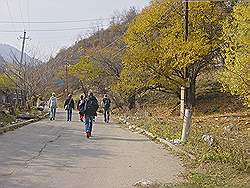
(106, 102)
(89, 108)
(52, 105)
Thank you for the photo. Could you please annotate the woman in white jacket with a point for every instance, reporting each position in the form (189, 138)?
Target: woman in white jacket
(53, 106)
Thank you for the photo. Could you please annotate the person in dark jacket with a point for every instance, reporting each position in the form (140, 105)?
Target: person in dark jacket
(89, 109)
(78, 107)
(106, 103)
(69, 105)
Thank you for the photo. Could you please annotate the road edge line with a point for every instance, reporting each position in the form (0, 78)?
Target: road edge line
(20, 124)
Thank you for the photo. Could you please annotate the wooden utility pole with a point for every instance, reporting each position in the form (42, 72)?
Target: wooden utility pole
(24, 38)
(184, 88)
(23, 45)
(185, 6)
(66, 79)
(187, 113)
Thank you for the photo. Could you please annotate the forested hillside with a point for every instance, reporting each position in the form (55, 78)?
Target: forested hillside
(95, 62)
(143, 60)
(146, 52)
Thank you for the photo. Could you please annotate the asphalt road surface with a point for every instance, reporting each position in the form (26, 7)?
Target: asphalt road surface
(56, 154)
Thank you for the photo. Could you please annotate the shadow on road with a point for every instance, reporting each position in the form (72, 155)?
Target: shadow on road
(119, 139)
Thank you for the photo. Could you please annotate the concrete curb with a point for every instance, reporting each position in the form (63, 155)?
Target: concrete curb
(20, 124)
(161, 140)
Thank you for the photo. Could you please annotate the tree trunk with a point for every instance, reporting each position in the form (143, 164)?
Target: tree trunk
(85, 89)
(186, 125)
(190, 102)
(117, 102)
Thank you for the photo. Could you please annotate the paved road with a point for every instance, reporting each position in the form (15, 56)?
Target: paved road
(56, 154)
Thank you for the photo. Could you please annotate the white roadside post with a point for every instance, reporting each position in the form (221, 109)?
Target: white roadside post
(182, 107)
(186, 124)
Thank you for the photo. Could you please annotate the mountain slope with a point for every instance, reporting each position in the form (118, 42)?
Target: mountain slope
(1, 60)
(9, 53)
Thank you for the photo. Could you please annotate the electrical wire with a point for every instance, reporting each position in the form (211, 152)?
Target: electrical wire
(49, 30)
(11, 18)
(21, 14)
(55, 22)
(28, 13)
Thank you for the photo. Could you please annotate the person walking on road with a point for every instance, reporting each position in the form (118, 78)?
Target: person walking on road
(89, 109)
(78, 107)
(69, 105)
(106, 102)
(53, 106)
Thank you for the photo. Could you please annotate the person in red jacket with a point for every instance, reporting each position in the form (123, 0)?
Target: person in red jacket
(78, 107)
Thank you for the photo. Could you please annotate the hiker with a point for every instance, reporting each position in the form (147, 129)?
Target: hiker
(69, 105)
(78, 107)
(89, 109)
(53, 106)
(106, 102)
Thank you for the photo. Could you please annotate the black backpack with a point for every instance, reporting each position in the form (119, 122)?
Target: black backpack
(91, 105)
(106, 102)
(82, 108)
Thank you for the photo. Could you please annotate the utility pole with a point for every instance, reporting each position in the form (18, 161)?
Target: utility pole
(185, 6)
(25, 67)
(186, 108)
(184, 88)
(66, 79)
(23, 45)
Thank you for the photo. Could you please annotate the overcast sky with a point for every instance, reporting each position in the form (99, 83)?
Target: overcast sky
(49, 42)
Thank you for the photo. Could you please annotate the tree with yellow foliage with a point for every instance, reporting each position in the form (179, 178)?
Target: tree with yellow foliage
(235, 77)
(157, 53)
(87, 71)
(6, 82)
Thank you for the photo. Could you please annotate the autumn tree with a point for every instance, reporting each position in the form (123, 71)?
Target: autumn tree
(87, 71)
(29, 79)
(235, 77)
(104, 48)
(6, 82)
(157, 54)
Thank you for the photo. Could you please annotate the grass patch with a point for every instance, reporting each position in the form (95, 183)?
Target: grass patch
(6, 118)
(224, 163)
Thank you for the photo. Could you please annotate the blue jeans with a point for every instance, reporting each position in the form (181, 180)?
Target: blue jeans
(69, 114)
(88, 123)
(52, 113)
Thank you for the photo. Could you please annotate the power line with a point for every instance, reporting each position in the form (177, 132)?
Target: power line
(54, 22)
(28, 12)
(21, 13)
(11, 18)
(49, 30)
(110, 44)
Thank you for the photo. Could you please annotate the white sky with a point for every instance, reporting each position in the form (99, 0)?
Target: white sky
(48, 43)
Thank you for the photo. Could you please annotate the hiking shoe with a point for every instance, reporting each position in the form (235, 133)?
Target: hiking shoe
(88, 135)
